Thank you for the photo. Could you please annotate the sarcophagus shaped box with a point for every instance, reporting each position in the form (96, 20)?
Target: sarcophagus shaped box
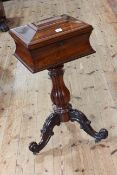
(51, 42)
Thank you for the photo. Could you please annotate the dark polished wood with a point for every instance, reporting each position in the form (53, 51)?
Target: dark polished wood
(41, 46)
(46, 133)
(3, 25)
(48, 45)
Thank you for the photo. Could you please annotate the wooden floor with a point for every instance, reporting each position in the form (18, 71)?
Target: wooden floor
(25, 102)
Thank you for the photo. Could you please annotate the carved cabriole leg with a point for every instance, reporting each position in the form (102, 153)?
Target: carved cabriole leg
(79, 117)
(46, 133)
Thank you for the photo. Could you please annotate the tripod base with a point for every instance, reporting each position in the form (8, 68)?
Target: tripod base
(63, 112)
(54, 119)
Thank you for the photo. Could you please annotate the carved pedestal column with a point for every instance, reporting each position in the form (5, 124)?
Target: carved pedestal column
(60, 95)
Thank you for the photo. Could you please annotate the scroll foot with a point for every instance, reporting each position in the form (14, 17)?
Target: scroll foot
(46, 132)
(79, 117)
(3, 26)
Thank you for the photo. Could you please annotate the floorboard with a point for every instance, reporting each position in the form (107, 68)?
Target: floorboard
(25, 102)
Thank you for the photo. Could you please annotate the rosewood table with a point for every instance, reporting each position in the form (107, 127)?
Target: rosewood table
(3, 24)
(48, 45)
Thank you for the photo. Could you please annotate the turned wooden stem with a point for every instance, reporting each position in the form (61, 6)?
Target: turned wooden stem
(60, 95)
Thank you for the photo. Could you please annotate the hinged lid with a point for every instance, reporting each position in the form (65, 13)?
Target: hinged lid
(48, 31)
